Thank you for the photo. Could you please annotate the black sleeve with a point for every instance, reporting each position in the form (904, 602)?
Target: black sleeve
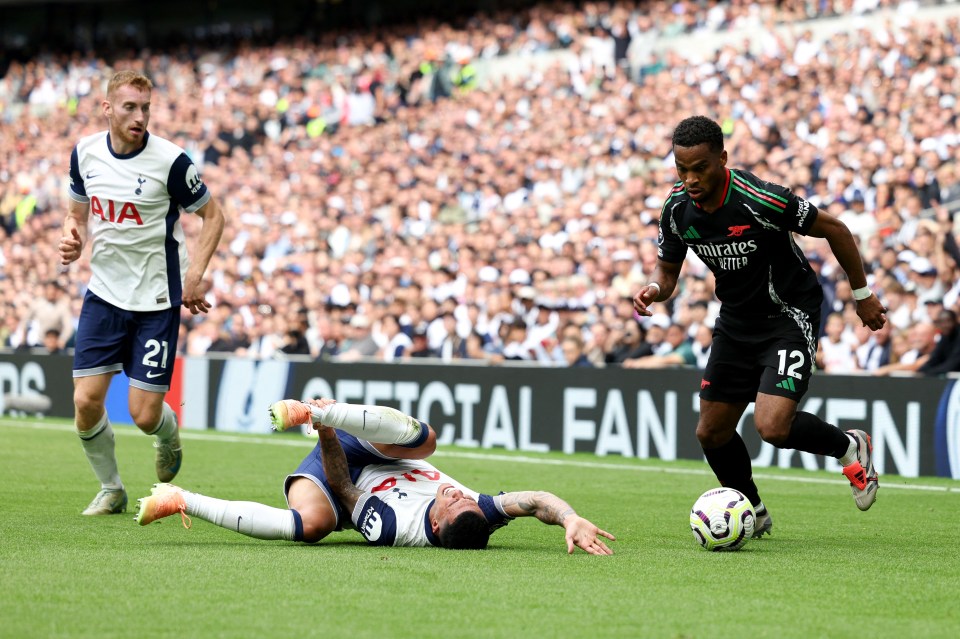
(670, 246)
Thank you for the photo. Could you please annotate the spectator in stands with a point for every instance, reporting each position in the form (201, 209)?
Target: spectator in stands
(295, 341)
(600, 341)
(876, 351)
(420, 348)
(675, 350)
(945, 357)
(924, 278)
(630, 345)
(515, 345)
(921, 339)
(9, 335)
(324, 184)
(395, 344)
(836, 353)
(452, 346)
(478, 348)
(49, 312)
(358, 342)
(232, 336)
(574, 355)
(702, 344)
(51, 343)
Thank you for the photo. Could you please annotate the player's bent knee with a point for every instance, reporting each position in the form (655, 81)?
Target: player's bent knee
(318, 521)
(710, 436)
(429, 446)
(315, 528)
(422, 451)
(317, 514)
(145, 419)
(85, 402)
(146, 409)
(772, 432)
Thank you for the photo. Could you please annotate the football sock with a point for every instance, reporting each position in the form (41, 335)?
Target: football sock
(378, 424)
(733, 468)
(851, 455)
(810, 434)
(168, 424)
(245, 517)
(99, 446)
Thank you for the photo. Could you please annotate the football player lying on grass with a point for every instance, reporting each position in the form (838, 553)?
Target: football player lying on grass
(380, 485)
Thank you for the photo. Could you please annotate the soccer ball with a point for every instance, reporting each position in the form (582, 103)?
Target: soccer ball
(722, 519)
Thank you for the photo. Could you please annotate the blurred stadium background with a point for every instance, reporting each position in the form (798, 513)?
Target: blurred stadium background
(427, 201)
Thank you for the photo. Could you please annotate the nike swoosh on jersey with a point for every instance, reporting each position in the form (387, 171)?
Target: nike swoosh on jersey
(151, 375)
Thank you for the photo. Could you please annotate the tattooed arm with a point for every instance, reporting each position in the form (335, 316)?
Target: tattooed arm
(550, 509)
(336, 469)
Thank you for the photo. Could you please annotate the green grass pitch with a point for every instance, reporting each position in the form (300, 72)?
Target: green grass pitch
(828, 570)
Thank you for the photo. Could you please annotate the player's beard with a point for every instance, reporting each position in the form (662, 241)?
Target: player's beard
(128, 139)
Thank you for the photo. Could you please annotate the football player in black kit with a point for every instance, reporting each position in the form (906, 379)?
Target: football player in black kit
(765, 338)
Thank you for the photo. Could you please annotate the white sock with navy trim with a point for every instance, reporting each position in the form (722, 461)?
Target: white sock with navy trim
(378, 424)
(168, 424)
(245, 517)
(99, 446)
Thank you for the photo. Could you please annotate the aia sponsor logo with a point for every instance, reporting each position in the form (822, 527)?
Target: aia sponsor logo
(737, 231)
(116, 212)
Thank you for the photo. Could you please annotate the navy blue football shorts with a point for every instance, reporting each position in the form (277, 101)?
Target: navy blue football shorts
(774, 355)
(360, 453)
(143, 344)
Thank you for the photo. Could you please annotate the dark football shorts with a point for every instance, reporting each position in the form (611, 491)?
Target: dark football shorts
(773, 355)
(359, 454)
(141, 344)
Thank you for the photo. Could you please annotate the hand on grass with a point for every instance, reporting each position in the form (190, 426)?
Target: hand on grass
(584, 534)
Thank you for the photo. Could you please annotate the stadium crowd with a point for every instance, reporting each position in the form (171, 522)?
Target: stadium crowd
(383, 202)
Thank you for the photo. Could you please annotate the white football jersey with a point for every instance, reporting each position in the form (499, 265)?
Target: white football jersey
(139, 256)
(393, 511)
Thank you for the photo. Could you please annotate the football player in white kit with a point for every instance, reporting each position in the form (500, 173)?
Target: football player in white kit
(127, 188)
(380, 484)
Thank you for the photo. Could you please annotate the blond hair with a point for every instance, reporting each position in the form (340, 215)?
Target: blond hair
(128, 77)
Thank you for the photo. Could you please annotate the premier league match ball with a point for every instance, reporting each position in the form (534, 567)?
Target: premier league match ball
(722, 519)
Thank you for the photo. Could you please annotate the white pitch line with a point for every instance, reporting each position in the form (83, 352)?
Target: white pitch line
(567, 463)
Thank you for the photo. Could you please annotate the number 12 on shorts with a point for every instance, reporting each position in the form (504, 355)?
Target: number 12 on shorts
(796, 361)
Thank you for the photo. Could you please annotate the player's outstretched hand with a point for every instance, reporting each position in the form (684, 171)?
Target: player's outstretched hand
(70, 247)
(872, 313)
(644, 298)
(584, 534)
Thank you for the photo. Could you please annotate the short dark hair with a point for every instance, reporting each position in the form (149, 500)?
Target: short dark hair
(469, 531)
(696, 130)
